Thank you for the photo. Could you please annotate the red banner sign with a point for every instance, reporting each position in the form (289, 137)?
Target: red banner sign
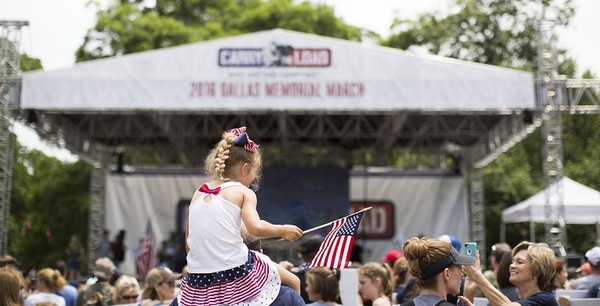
(377, 222)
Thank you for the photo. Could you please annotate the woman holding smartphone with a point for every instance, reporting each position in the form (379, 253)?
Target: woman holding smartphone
(532, 269)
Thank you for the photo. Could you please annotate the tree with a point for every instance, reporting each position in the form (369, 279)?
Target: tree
(130, 26)
(496, 32)
(49, 203)
(30, 63)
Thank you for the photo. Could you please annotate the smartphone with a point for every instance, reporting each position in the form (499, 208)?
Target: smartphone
(470, 248)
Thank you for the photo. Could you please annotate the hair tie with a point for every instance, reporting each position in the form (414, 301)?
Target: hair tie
(243, 140)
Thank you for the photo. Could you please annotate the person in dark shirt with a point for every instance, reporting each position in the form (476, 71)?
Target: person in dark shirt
(594, 291)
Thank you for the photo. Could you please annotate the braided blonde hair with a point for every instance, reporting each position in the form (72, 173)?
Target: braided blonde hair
(225, 155)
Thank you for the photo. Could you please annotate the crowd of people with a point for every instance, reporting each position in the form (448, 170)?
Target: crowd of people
(425, 272)
(225, 265)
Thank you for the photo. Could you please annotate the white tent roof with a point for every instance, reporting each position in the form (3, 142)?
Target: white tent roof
(582, 205)
(278, 70)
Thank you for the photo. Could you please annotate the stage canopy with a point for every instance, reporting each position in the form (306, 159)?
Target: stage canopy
(291, 89)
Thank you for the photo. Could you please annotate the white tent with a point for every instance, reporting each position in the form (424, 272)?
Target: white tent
(581, 203)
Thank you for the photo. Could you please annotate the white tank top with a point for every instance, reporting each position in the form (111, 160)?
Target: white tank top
(214, 234)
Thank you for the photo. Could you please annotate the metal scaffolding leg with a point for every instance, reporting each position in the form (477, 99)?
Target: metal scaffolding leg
(478, 210)
(96, 221)
(9, 82)
(5, 173)
(551, 91)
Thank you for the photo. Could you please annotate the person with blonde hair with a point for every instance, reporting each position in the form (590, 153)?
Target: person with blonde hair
(436, 265)
(532, 271)
(218, 260)
(48, 282)
(375, 284)
(323, 286)
(127, 290)
(11, 282)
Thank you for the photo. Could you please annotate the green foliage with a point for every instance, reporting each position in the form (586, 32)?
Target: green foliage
(303, 17)
(130, 26)
(517, 175)
(49, 204)
(509, 180)
(124, 29)
(30, 63)
(486, 31)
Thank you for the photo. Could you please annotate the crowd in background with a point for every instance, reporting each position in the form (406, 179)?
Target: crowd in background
(400, 277)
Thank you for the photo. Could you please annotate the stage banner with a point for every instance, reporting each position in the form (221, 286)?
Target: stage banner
(407, 204)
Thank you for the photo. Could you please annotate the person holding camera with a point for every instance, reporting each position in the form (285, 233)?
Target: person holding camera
(532, 270)
(437, 267)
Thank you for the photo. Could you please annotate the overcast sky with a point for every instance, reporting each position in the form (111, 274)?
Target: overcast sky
(57, 27)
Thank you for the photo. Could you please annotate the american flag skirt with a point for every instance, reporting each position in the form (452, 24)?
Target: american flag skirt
(254, 283)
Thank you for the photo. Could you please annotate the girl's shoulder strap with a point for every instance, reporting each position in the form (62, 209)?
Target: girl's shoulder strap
(206, 188)
(230, 184)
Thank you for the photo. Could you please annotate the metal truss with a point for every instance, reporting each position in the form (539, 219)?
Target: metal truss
(506, 134)
(477, 200)
(9, 82)
(184, 139)
(96, 219)
(578, 90)
(550, 96)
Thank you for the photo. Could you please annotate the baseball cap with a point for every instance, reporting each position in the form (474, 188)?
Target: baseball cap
(6, 260)
(311, 244)
(453, 240)
(452, 258)
(593, 256)
(584, 269)
(391, 256)
(156, 276)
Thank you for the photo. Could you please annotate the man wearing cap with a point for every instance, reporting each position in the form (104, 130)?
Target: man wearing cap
(7, 260)
(100, 292)
(585, 269)
(586, 282)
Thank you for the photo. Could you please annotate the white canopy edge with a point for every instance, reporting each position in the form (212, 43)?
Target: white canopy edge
(314, 74)
(581, 203)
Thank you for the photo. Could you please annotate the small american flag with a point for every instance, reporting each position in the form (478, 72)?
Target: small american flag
(336, 248)
(146, 256)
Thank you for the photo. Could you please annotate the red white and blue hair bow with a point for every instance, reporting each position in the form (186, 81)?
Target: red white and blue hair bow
(243, 140)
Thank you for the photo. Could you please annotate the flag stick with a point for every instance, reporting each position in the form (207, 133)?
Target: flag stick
(322, 225)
